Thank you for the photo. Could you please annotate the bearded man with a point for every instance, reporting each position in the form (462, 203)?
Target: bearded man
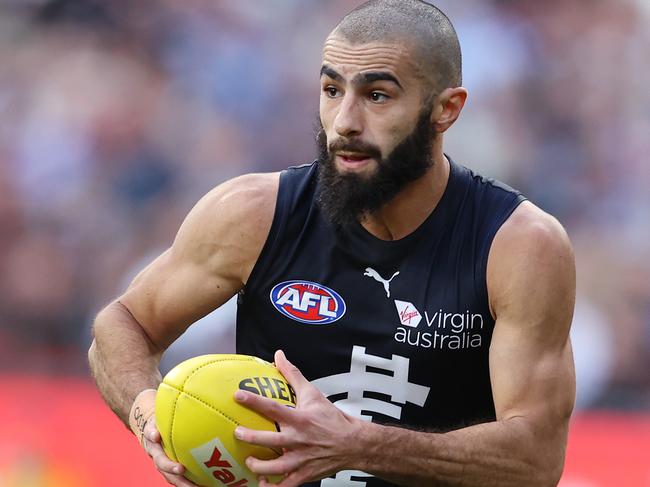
(426, 308)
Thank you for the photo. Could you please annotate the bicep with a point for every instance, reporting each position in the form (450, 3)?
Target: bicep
(531, 278)
(172, 293)
(209, 261)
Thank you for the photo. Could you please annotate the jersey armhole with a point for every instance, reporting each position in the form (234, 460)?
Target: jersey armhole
(277, 226)
(487, 245)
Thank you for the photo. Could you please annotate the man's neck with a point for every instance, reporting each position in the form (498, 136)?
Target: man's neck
(403, 214)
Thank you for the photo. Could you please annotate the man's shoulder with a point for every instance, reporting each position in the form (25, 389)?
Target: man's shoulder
(249, 192)
(531, 227)
(530, 249)
(244, 193)
(236, 213)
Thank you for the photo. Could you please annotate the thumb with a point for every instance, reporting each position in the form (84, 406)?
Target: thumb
(151, 432)
(291, 372)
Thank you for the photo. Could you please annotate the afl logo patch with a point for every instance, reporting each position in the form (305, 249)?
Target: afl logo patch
(308, 302)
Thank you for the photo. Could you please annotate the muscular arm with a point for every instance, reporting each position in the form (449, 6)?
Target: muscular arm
(531, 282)
(209, 261)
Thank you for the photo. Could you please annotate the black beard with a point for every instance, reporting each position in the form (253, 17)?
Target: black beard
(349, 197)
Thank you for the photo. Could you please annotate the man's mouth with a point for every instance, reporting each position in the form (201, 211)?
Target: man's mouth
(353, 160)
(354, 156)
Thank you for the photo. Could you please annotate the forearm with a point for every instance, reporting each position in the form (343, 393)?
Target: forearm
(503, 453)
(123, 360)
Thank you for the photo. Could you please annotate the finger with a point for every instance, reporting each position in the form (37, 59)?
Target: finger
(162, 461)
(294, 479)
(290, 372)
(151, 432)
(279, 466)
(178, 480)
(262, 482)
(271, 439)
(265, 406)
(165, 464)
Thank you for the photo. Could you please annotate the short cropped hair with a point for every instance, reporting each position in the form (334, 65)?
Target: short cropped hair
(425, 27)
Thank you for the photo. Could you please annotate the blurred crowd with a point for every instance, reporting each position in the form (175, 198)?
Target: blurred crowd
(115, 117)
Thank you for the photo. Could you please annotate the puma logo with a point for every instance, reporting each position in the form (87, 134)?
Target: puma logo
(370, 272)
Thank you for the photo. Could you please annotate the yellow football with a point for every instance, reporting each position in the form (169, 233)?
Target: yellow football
(197, 414)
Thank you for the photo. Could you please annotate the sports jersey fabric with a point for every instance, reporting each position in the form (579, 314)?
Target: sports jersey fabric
(397, 332)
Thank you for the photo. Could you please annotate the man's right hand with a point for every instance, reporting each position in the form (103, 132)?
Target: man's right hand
(172, 471)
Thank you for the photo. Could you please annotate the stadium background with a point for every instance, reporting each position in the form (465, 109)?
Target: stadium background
(115, 117)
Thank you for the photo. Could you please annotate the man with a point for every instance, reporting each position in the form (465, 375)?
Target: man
(408, 290)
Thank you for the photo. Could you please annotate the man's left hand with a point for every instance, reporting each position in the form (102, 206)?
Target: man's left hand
(317, 438)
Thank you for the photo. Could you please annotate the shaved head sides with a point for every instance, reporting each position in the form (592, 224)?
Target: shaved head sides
(424, 29)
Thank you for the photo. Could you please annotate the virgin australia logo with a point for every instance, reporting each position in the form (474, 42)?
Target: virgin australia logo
(408, 313)
(451, 331)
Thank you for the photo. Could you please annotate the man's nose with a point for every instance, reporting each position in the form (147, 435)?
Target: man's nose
(349, 119)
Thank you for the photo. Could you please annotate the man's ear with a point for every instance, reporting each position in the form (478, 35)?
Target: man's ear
(447, 108)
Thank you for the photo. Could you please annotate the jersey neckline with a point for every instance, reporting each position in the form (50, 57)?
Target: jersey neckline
(435, 219)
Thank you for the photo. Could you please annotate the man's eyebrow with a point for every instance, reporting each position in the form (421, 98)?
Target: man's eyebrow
(372, 76)
(329, 72)
(360, 79)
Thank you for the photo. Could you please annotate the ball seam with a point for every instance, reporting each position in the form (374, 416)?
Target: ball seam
(189, 376)
(182, 391)
(210, 406)
(171, 428)
(219, 411)
(241, 358)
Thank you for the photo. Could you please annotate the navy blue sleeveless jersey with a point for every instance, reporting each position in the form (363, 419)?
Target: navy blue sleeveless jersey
(397, 332)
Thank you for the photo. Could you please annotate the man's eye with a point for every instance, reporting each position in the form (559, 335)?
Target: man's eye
(378, 97)
(331, 91)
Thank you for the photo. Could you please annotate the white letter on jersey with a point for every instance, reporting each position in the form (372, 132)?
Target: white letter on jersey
(324, 309)
(308, 300)
(291, 297)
